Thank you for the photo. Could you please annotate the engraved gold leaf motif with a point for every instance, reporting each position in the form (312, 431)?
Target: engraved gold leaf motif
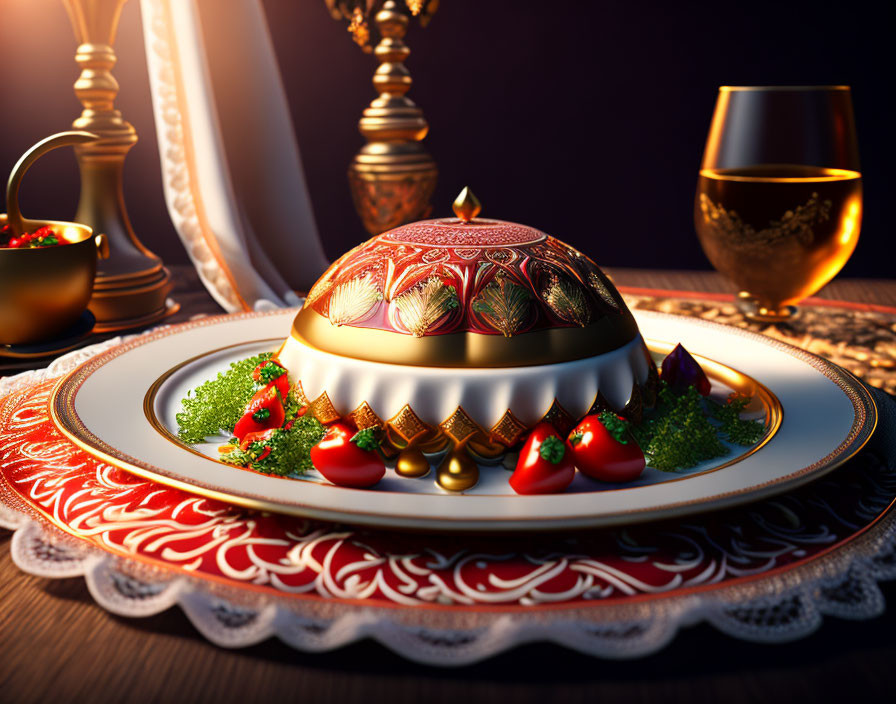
(365, 417)
(353, 301)
(503, 304)
(323, 409)
(568, 301)
(423, 305)
(459, 426)
(509, 429)
(601, 289)
(408, 424)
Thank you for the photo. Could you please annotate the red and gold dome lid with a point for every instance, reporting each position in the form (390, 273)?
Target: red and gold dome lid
(464, 292)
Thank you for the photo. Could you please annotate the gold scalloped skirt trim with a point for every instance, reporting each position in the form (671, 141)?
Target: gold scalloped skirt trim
(405, 429)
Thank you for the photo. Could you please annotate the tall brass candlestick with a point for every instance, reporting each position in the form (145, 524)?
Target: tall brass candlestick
(131, 286)
(392, 178)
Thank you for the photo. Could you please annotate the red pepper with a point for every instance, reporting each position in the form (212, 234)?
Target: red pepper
(252, 438)
(274, 374)
(38, 238)
(545, 464)
(348, 458)
(681, 370)
(258, 436)
(604, 449)
(265, 411)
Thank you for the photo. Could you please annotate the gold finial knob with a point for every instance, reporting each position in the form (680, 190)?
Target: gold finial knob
(466, 206)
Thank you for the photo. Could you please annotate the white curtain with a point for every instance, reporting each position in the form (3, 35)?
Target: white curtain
(231, 169)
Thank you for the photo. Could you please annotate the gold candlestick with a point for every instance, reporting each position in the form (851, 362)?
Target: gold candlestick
(131, 286)
(392, 178)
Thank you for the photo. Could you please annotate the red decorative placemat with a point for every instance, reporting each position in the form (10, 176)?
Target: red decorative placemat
(49, 478)
(768, 571)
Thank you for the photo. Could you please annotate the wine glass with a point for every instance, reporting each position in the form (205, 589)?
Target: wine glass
(779, 197)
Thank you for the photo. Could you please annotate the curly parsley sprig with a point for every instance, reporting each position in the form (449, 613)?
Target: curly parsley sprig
(733, 428)
(219, 403)
(286, 452)
(686, 429)
(678, 435)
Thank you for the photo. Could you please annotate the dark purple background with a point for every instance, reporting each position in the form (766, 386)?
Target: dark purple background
(586, 119)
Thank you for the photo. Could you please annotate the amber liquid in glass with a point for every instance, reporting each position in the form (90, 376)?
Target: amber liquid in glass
(779, 231)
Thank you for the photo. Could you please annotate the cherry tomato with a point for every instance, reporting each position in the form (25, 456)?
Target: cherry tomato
(545, 464)
(264, 411)
(274, 374)
(609, 454)
(680, 370)
(348, 458)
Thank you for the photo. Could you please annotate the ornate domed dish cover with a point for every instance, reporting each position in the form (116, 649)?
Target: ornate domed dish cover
(464, 329)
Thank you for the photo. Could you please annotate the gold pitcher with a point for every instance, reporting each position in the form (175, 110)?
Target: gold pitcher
(45, 290)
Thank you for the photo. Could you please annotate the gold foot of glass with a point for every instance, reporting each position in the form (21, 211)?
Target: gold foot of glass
(758, 313)
(771, 315)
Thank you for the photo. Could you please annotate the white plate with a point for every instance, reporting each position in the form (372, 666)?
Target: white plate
(827, 417)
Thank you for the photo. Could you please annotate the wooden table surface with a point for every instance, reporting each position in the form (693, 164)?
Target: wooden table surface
(57, 645)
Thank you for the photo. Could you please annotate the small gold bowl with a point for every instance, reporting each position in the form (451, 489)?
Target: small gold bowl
(44, 290)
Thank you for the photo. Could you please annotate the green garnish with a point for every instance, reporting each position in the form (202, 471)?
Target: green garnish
(552, 449)
(366, 439)
(290, 449)
(236, 456)
(270, 371)
(617, 427)
(677, 434)
(740, 431)
(219, 403)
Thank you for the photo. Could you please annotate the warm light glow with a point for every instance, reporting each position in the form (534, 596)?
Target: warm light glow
(818, 175)
(852, 221)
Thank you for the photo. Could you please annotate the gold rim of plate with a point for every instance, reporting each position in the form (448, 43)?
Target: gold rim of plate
(62, 414)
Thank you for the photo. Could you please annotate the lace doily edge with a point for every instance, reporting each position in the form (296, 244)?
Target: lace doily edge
(785, 606)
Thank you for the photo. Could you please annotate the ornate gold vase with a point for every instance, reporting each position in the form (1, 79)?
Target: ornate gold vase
(131, 286)
(392, 178)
